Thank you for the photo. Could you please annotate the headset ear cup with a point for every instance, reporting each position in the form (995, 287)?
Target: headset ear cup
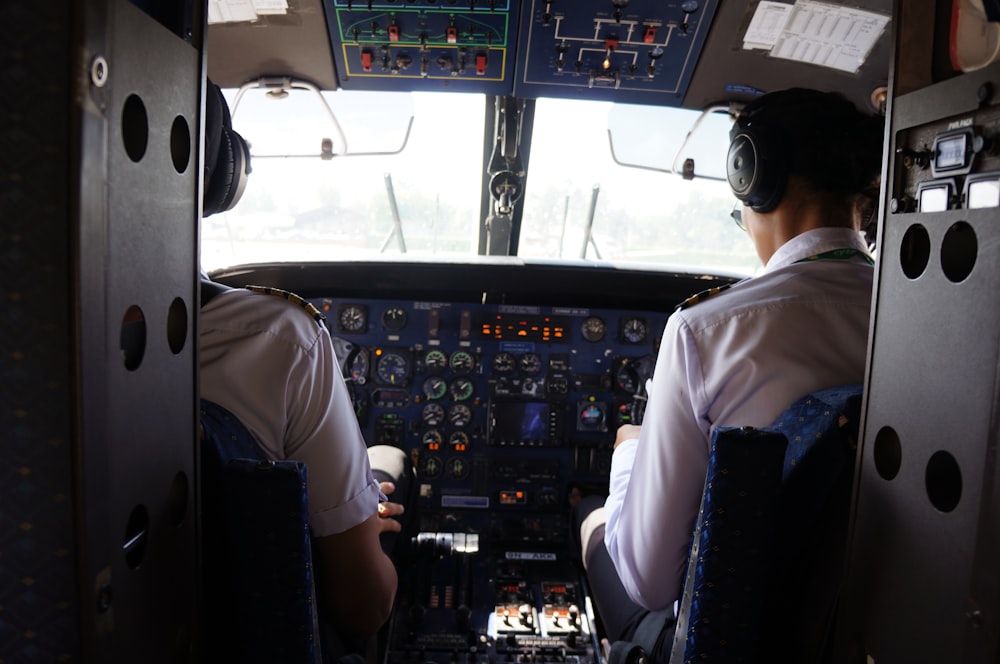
(741, 166)
(757, 168)
(219, 185)
(227, 156)
(241, 170)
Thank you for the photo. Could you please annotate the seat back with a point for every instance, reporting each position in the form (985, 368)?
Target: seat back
(256, 550)
(767, 556)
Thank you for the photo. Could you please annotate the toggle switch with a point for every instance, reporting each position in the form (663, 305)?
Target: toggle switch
(561, 49)
(655, 54)
(688, 7)
(619, 6)
(480, 64)
(393, 32)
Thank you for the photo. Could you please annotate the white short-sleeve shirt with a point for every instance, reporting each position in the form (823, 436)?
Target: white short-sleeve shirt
(270, 363)
(737, 359)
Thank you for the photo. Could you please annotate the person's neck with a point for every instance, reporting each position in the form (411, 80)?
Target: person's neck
(794, 216)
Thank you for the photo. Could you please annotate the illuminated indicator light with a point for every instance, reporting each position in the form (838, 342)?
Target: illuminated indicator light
(522, 333)
(378, 351)
(519, 494)
(610, 44)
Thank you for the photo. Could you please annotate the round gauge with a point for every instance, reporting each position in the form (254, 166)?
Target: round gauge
(461, 362)
(432, 439)
(457, 468)
(394, 319)
(459, 415)
(430, 467)
(392, 368)
(531, 363)
(626, 379)
(435, 360)
(357, 365)
(432, 414)
(461, 389)
(634, 330)
(503, 363)
(591, 417)
(353, 318)
(593, 328)
(459, 441)
(435, 387)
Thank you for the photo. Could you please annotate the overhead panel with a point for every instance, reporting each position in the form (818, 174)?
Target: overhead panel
(432, 45)
(633, 51)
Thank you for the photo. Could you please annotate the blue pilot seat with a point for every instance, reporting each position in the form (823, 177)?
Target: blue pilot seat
(259, 598)
(768, 551)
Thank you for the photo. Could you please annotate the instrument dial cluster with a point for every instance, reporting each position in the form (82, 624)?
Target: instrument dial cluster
(464, 389)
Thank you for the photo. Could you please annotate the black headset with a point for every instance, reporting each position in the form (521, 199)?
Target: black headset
(227, 156)
(757, 165)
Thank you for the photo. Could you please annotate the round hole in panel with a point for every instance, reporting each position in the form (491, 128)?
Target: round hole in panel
(135, 127)
(133, 338)
(180, 144)
(887, 453)
(136, 536)
(944, 481)
(958, 251)
(177, 501)
(177, 325)
(915, 251)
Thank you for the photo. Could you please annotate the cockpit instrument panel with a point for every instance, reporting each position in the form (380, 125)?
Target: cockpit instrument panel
(506, 411)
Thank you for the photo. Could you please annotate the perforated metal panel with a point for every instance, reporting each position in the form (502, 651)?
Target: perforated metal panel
(924, 564)
(138, 306)
(97, 375)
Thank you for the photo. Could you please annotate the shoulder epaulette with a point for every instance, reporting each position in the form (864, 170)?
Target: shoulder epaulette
(291, 297)
(701, 296)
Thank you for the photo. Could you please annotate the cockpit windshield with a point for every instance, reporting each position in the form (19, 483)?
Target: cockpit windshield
(398, 176)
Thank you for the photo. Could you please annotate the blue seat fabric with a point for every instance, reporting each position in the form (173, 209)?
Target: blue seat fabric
(768, 550)
(257, 558)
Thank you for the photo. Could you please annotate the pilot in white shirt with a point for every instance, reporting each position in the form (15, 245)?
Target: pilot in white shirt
(743, 355)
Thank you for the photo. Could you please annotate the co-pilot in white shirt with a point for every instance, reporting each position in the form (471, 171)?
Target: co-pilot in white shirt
(737, 359)
(269, 363)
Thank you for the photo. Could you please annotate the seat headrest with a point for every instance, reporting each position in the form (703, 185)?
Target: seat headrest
(227, 156)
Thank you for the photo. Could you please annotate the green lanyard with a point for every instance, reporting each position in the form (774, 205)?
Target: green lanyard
(838, 255)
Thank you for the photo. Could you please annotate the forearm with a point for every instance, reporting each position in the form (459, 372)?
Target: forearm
(358, 580)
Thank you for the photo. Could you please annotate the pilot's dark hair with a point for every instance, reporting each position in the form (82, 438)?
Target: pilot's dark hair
(821, 138)
(227, 156)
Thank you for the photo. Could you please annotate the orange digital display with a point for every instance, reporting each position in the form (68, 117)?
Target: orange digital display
(524, 328)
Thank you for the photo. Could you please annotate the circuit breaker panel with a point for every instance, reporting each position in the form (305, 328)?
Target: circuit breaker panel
(456, 45)
(617, 50)
(633, 51)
